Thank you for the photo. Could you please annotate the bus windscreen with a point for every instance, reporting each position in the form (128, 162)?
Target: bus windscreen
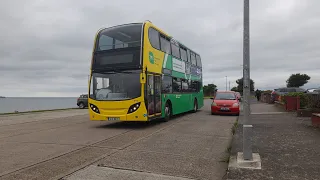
(119, 37)
(118, 46)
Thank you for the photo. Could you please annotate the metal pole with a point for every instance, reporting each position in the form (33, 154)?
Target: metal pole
(226, 83)
(229, 86)
(247, 128)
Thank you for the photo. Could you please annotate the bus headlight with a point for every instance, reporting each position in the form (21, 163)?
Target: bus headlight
(94, 108)
(133, 108)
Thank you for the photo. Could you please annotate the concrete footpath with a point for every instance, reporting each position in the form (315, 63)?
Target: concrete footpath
(289, 146)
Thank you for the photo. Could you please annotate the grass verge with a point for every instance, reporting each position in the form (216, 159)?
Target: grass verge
(226, 157)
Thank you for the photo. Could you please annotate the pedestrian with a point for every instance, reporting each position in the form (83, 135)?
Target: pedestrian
(258, 94)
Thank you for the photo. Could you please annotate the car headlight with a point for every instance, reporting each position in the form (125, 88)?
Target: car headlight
(94, 108)
(235, 105)
(133, 108)
(214, 104)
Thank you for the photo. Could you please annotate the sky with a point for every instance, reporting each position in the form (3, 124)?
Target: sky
(46, 45)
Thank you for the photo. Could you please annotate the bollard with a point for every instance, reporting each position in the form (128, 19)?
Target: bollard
(247, 142)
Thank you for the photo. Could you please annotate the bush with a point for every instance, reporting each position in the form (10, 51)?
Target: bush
(266, 92)
(303, 98)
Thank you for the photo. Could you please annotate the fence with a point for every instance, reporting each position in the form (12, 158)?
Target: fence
(266, 97)
(292, 103)
(313, 101)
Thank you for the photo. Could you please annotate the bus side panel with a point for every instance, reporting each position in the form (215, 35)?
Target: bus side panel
(200, 99)
(180, 102)
(152, 58)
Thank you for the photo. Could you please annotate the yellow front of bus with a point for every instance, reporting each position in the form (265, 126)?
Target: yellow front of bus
(117, 80)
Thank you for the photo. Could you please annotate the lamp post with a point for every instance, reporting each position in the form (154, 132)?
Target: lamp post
(247, 127)
(226, 83)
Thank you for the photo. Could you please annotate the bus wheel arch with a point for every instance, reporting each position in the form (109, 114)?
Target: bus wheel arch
(195, 105)
(167, 110)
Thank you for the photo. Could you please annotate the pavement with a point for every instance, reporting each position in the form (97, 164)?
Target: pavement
(66, 145)
(288, 146)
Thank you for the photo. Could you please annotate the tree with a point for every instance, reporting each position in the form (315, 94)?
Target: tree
(209, 89)
(234, 89)
(240, 85)
(297, 80)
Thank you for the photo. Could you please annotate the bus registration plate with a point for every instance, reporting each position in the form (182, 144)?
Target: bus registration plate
(113, 118)
(224, 109)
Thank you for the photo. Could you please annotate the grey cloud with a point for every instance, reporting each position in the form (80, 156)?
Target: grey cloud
(46, 45)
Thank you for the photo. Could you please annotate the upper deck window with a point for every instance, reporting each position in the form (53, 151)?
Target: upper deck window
(199, 64)
(154, 38)
(119, 37)
(193, 59)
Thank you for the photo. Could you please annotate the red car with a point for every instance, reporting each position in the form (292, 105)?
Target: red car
(225, 103)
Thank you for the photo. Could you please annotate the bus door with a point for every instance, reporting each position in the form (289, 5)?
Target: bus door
(154, 95)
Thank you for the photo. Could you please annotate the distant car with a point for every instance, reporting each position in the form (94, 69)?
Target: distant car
(313, 91)
(225, 103)
(283, 91)
(82, 101)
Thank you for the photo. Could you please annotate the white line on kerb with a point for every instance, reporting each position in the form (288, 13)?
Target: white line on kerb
(269, 113)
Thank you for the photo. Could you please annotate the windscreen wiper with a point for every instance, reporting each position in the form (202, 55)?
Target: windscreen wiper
(123, 71)
(104, 72)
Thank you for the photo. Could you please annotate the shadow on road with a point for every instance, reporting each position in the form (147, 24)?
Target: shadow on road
(139, 124)
(130, 125)
(222, 115)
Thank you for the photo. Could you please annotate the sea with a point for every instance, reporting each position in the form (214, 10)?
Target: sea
(23, 104)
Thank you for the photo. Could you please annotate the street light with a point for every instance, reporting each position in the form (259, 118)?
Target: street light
(226, 83)
(247, 127)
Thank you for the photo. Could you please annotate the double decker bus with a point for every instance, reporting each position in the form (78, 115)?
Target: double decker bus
(140, 73)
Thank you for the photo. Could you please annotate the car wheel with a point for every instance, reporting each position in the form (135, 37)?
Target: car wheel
(81, 105)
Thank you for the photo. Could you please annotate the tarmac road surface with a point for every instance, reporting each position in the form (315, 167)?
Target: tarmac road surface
(65, 144)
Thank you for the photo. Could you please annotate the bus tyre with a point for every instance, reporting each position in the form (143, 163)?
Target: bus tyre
(195, 106)
(81, 106)
(167, 112)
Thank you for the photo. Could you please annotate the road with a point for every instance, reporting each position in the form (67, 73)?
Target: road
(65, 144)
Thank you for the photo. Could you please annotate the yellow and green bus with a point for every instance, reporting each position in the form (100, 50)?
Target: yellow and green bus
(140, 73)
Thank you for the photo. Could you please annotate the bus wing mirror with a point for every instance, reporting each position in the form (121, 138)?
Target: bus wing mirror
(143, 78)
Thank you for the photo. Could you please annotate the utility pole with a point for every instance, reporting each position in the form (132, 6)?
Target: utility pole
(229, 86)
(247, 127)
(226, 83)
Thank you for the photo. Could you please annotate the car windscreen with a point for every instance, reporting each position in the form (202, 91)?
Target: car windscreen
(225, 96)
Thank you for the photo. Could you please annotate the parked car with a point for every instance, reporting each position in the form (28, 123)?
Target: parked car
(225, 103)
(276, 93)
(82, 101)
(313, 91)
(310, 90)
